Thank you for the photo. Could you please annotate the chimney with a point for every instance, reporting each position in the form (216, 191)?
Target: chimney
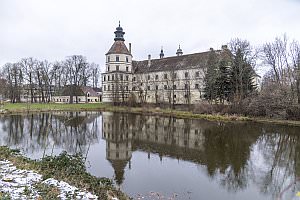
(149, 60)
(130, 48)
(211, 49)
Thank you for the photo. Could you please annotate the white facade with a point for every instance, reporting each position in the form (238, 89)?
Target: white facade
(173, 80)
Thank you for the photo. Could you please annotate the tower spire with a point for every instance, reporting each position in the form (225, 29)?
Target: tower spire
(161, 55)
(179, 51)
(119, 33)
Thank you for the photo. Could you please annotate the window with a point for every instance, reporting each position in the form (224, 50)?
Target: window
(165, 76)
(117, 67)
(112, 87)
(196, 86)
(126, 88)
(148, 77)
(88, 94)
(117, 58)
(156, 87)
(197, 74)
(112, 77)
(156, 77)
(108, 77)
(108, 88)
(126, 69)
(108, 59)
(165, 87)
(134, 78)
(174, 96)
(174, 75)
(127, 78)
(174, 87)
(121, 77)
(104, 87)
(186, 74)
(108, 68)
(186, 86)
(104, 78)
(148, 87)
(127, 59)
(133, 88)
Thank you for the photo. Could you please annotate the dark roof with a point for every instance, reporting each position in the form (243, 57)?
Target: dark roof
(97, 89)
(87, 89)
(68, 90)
(196, 60)
(118, 47)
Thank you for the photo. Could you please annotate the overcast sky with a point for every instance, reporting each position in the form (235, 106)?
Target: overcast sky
(54, 29)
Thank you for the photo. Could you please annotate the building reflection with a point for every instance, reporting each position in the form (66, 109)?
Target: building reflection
(125, 133)
(227, 152)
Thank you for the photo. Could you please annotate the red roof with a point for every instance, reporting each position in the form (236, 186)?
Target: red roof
(118, 47)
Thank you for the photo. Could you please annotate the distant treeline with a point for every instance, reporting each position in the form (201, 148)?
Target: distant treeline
(32, 77)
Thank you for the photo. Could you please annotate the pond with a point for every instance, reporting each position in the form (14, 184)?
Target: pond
(167, 157)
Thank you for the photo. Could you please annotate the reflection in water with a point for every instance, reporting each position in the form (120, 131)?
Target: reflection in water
(234, 155)
(73, 132)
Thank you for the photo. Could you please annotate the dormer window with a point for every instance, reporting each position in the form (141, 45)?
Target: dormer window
(127, 59)
(117, 58)
(108, 59)
(88, 94)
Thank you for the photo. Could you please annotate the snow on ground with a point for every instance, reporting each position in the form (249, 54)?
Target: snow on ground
(19, 184)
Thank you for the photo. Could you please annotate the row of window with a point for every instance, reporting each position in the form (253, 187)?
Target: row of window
(117, 59)
(113, 77)
(117, 68)
(172, 76)
(186, 86)
(79, 100)
(113, 88)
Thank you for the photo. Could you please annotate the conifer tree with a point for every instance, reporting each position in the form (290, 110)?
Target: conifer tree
(210, 77)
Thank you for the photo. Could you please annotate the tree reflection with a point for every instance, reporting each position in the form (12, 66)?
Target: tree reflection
(229, 151)
(233, 154)
(38, 132)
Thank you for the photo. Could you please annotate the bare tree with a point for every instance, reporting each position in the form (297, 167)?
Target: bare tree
(28, 68)
(295, 59)
(12, 72)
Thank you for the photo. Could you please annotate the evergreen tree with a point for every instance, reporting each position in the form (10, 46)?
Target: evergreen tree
(210, 77)
(222, 85)
(242, 76)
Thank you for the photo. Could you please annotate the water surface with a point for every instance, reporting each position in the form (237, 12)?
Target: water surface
(149, 155)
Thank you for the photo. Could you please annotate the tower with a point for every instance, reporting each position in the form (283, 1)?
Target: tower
(118, 70)
(179, 51)
(161, 55)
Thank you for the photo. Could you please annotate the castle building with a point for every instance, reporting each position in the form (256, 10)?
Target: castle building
(174, 80)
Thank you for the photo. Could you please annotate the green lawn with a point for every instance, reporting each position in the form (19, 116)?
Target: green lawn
(23, 107)
(47, 107)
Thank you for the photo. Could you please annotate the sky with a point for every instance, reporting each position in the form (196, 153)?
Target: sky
(55, 29)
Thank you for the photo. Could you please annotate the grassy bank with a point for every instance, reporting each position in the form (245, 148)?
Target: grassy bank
(19, 108)
(68, 168)
(38, 107)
